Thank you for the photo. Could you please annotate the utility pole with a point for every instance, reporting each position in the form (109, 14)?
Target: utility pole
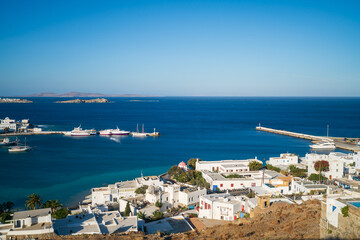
(327, 132)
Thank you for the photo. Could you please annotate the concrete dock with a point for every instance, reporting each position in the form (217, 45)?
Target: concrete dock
(340, 142)
(32, 133)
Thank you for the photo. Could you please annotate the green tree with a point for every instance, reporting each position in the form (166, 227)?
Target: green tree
(255, 165)
(33, 201)
(141, 215)
(158, 204)
(297, 172)
(345, 211)
(316, 177)
(157, 215)
(61, 213)
(141, 190)
(273, 168)
(192, 163)
(53, 204)
(127, 210)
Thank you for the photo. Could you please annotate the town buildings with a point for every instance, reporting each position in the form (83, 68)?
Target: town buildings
(285, 160)
(225, 166)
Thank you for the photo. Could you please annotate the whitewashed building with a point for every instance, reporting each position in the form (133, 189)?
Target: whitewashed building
(225, 166)
(285, 159)
(32, 222)
(221, 206)
(306, 187)
(336, 164)
(9, 124)
(173, 195)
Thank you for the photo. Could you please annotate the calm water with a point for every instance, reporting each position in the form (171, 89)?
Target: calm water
(66, 168)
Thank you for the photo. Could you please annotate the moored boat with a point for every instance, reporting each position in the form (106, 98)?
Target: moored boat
(7, 142)
(106, 132)
(20, 148)
(79, 132)
(137, 133)
(117, 131)
(323, 145)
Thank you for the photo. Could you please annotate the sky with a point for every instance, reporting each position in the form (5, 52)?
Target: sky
(181, 48)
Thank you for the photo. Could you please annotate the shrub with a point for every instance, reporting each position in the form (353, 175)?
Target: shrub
(255, 165)
(315, 177)
(321, 166)
(61, 213)
(157, 215)
(192, 163)
(234, 175)
(345, 211)
(158, 204)
(297, 172)
(141, 190)
(273, 168)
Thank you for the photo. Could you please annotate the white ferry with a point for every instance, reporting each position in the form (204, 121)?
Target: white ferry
(117, 131)
(323, 145)
(106, 132)
(79, 132)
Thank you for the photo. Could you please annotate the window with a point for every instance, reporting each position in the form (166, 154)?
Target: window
(209, 206)
(221, 185)
(232, 185)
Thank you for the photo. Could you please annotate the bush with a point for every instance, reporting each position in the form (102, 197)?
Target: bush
(234, 175)
(255, 165)
(158, 204)
(315, 177)
(141, 190)
(345, 211)
(157, 215)
(190, 176)
(273, 168)
(61, 213)
(297, 172)
(192, 163)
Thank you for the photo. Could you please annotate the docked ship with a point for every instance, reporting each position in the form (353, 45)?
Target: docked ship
(7, 142)
(20, 148)
(106, 132)
(117, 131)
(137, 133)
(79, 132)
(323, 145)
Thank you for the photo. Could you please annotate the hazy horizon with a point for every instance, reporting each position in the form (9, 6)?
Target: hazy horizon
(176, 48)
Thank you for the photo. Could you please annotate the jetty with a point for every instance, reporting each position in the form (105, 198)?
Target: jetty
(349, 144)
(32, 133)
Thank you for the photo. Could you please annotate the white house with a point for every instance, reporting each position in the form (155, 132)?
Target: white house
(336, 164)
(300, 186)
(32, 222)
(8, 123)
(245, 179)
(225, 166)
(285, 159)
(173, 195)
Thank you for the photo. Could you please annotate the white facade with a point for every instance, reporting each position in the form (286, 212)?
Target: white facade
(225, 166)
(174, 195)
(113, 192)
(220, 206)
(8, 123)
(336, 164)
(284, 159)
(333, 209)
(305, 187)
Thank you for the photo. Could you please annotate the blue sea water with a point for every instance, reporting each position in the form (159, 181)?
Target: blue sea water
(65, 168)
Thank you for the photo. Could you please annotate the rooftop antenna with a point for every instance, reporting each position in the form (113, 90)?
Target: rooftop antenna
(327, 132)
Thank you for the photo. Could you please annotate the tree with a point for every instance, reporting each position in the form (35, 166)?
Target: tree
(53, 204)
(158, 204)
(255, 165)
(61, 213)
(321, 166)
(157, 215)
(316, 177)
(141, 215)
(33, 201)
(6, 206)
(127, 210)
(297, 172)
(141, 190)
(192, 163)
(273, 168)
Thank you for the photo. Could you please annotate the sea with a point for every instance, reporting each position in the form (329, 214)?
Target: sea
(210, 128)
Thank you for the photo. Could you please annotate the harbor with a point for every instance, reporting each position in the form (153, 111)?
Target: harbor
(349, 144)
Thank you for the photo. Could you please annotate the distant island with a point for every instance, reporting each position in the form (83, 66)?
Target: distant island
(14, 100)
(79, 94)
(96, 100)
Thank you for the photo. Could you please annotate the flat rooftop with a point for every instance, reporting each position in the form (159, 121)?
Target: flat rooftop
(32, 213)
(227, 161)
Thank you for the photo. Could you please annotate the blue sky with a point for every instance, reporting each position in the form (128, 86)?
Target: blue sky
(181, 48)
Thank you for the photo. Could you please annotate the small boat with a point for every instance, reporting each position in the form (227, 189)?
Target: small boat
(7, 142)
(20, 148)
(79, 132)
(323, 145)
(106, 132)
(139, 134)
(117, 131)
